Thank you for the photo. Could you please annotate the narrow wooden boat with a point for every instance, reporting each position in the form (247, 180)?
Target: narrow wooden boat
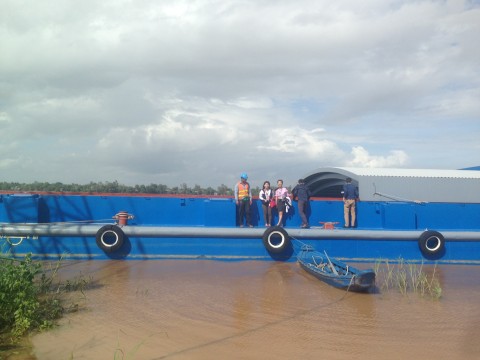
(335, 272)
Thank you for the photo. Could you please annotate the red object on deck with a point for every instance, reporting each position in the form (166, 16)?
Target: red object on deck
(122, 218)
(328, 224)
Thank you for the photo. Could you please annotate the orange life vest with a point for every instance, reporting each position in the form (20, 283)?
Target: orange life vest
(243, 190)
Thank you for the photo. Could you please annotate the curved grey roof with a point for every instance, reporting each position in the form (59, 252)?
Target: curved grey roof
(385, 184)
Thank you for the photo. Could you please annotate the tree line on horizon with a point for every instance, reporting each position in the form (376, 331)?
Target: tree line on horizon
(117, 188)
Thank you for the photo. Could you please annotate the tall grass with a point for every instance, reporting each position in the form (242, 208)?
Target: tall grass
(407, 277)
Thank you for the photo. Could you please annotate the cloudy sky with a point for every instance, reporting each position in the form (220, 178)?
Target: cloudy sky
(198, 91)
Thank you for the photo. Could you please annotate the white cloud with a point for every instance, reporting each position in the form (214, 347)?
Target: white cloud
(307, 144)
(194, 92)
(361, 158)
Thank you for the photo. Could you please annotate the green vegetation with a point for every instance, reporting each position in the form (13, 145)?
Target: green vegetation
(408, 277)
(115, 187)
(29, 298)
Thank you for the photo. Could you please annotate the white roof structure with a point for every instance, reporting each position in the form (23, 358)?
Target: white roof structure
(386, 184)
(428, 173)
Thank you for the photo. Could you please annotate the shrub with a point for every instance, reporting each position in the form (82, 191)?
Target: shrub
(24, 301)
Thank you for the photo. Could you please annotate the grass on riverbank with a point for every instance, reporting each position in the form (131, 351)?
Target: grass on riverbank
(408, 277)
(31, 298)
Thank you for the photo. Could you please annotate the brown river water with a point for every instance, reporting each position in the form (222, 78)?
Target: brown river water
(257, 310)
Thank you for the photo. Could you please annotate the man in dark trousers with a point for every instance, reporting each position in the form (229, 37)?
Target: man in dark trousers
(243, 199)
(302, 193)
(350, 196)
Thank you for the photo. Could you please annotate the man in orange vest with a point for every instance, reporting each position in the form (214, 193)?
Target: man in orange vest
(243, 199)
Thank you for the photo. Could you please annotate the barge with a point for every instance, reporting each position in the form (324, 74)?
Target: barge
(141, 226)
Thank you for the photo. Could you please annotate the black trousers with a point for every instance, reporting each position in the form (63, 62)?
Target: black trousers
(243, 210)
(302, 210)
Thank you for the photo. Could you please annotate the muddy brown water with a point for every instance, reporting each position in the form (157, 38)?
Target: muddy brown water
(257, 310)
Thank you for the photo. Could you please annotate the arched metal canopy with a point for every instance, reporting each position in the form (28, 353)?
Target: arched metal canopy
(383, 184)
(328, 182)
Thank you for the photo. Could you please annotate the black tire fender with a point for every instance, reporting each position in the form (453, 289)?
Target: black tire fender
(276, 239)
(431, 243)
(110, 238)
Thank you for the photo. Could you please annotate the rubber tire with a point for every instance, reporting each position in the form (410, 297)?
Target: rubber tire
(424, 242)
(109, 230)
(273, 247)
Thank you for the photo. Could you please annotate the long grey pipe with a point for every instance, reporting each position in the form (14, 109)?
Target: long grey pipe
(82, 230)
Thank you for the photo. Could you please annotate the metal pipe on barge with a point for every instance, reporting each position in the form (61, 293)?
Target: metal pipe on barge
(83, 230)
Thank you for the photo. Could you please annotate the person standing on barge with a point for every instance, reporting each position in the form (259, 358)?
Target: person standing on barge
(281, 194)
(243, 199)
(350, 197)
(266, 196)
(302, 193)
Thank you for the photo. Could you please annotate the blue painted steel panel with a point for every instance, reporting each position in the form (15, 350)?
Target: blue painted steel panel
(19, 208)
(221, 212)
(235, 249)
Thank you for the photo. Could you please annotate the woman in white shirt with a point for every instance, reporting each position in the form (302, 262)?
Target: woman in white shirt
(265, 196)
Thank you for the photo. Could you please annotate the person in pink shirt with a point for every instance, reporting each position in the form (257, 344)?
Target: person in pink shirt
(281, 194)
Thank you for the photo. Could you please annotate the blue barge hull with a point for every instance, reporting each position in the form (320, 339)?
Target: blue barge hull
(164, 227)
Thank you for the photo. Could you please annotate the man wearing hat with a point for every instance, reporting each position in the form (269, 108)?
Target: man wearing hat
(243, 199)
